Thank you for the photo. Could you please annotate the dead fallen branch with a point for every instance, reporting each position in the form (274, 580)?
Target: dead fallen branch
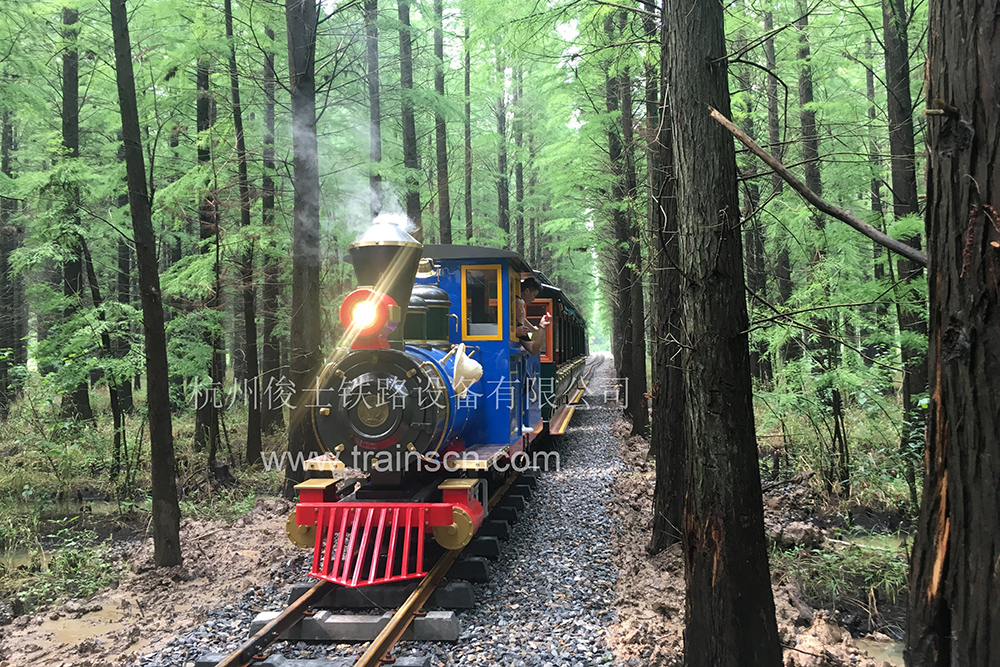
(846, 217)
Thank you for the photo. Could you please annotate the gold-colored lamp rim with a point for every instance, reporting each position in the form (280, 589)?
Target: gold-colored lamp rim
(458, 534)
(303, 537)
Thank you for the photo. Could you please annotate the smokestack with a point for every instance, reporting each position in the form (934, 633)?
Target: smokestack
(385, 258)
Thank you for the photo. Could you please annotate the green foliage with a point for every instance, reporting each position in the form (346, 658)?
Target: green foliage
(19, 530)
(77, 568)
(847, 571)
(221, 505)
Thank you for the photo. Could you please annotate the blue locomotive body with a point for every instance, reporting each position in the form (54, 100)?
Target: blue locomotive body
(432, 398)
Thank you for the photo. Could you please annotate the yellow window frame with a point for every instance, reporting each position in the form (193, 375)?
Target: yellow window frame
(465, 304)
(515, 293)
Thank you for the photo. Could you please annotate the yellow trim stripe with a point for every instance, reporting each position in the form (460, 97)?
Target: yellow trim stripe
(559, 425)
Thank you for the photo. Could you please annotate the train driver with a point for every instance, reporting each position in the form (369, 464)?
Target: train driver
(531, 337)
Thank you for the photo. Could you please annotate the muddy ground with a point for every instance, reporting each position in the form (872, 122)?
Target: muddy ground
(650, 589)
(150, 606)
(222, 560)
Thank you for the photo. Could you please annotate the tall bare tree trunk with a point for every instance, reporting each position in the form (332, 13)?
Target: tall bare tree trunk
(623, 277)
(875, 185)
(532, 231)
(468, 133)
(839, 462)
(166, 513)
(11, 285)
(667, 436)
(503, 178)
(123, 292)
(75, 403)
(519, 111)
(206, 431)
(909, 299)
(756, 262)
(374, 105)
(637, 384)
(272, 416)
(306, 357)
(249, 287)
(953, 617)
(441, 129)
(411, 157)
(729, 619)
(807, 115)
(114, 382)
(783, 271)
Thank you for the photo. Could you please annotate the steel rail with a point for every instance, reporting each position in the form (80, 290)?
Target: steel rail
(394, 629)
(380, 646)
(251, 651)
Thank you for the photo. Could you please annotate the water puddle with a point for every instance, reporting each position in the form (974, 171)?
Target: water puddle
(889, 542)
(72, 508)
(23, 558)
(890, 652)
(71, 630)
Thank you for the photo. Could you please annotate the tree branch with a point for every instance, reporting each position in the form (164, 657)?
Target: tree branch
(846, 217)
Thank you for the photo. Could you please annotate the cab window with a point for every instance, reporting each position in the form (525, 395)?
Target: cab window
(481, 304)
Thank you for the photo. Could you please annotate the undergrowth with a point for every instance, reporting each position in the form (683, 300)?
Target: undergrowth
(79, 567)
(845, 571)
(59, 494)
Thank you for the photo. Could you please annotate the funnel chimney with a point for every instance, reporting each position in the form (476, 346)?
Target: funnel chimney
(385, 258)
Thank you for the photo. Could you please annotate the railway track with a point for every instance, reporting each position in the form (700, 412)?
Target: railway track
(253, 651)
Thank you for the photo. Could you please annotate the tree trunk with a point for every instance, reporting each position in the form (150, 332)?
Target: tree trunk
(519, 110)
(544, 249)
(730, 617)
(252, 388)
(441, 129)
(45, 321)
(272, 415)
(503, 182)
(166, 513)
(637, 385)
(666, 442)
(828, 354)
(953, 618)
(11, 285)
(206, 431)
(623, 277)
(756, 262)
(909, 298)
(468, 134)
(875, 185)
(783, 271)
(411, 158)
(120, 345)
(114, 382)
(807, 115)
(374, 105)
(532, 232)
(76, 403)
(306, 357)
(124, 295)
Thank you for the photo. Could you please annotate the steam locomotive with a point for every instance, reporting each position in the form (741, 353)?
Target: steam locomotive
(429, 405)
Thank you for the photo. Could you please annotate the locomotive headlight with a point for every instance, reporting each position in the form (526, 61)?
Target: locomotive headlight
(364, 314)
(370, 316)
